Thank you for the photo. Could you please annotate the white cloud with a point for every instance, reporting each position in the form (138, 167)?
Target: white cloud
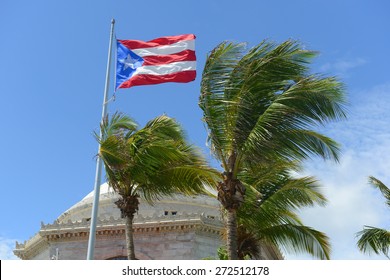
(365, 137)
(6, 249)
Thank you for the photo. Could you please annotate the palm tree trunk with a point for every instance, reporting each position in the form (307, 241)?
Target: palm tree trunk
(129, 238)
(231, 224)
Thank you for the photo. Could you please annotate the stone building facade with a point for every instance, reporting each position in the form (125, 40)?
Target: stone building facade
(177, 227)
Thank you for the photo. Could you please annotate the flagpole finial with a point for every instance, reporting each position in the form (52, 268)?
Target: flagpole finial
(113, 21)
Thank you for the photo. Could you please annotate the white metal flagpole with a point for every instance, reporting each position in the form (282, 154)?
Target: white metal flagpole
(95, 206)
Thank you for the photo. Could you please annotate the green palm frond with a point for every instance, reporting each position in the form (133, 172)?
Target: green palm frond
(275, 207)
(273, 183)
(187, 180)
(284, 128)
(263, 73)
(112, 151)
(298, 239)
(274, 224)
(382, 187)
(112, 141)
(164, 127)
(293, 194)
(117, 124)
(375, 240)
(273, 196)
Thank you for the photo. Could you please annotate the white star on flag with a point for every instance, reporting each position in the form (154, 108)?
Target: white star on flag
(129, 62)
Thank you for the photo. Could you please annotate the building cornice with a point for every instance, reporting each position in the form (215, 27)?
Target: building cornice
(34, 246)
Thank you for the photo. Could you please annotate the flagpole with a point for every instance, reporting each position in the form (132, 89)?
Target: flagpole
(95, 206)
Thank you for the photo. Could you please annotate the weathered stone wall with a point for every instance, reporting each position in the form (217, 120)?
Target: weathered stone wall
(206, 245)
(166, 245)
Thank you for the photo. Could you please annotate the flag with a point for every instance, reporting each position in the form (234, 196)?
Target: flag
(162, 60)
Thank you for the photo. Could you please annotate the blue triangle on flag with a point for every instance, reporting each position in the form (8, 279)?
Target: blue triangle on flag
(126, 65)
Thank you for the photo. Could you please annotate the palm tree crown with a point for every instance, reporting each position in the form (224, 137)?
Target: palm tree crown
(260, 106)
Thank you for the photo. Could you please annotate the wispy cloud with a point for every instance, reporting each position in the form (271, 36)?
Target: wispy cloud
(6, 249)
(342, 66)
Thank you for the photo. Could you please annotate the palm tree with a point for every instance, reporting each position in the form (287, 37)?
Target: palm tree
(261, 105)
(149, 163)
(372, 238)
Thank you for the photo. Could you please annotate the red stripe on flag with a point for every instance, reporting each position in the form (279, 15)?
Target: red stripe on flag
(178, 77)
(187, 55)
(163, 41)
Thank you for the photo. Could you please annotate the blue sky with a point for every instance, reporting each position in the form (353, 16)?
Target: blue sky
(52, 69)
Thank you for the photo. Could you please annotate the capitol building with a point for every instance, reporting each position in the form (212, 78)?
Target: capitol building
(178, 227)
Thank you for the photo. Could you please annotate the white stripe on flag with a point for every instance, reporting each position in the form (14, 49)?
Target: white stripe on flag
(166, 50)
(166, 68)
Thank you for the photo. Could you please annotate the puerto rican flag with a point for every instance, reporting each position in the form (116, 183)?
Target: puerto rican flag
(162, 60)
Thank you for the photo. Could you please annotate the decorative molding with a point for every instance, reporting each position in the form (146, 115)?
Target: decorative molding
(34, 246)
